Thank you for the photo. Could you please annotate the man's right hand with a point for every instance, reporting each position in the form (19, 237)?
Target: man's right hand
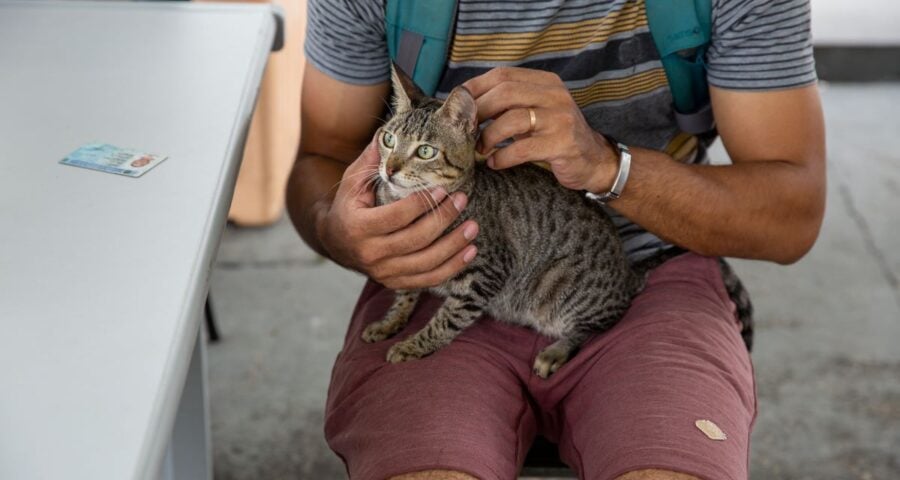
(398, 245)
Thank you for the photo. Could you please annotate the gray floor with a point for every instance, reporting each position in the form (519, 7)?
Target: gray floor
(827, 358)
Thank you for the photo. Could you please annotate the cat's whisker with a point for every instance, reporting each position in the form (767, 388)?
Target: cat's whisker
(363, 185)
(351, 176)
(371, 182)
(433, 205)
(427, 199)
(357, 174)
(388, 105)
(359, 184)
(365, 172)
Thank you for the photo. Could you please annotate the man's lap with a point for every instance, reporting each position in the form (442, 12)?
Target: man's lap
(627, 400)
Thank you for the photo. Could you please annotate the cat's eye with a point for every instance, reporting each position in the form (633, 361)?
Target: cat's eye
(426, 152)
(388, 140)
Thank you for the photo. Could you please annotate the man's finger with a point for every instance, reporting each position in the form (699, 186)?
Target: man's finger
(432, 256)
(437, 276)
(509, 95)
(530, 149)
(424, 231)
(511, 123)
(389, 218)
(481, 84)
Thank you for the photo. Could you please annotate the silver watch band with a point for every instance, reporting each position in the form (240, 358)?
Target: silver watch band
(621, 177)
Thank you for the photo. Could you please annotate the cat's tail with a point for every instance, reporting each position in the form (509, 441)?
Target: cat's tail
(741, 298)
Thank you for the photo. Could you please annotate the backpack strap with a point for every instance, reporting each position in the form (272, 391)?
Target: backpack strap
(681, 30)
(418, 37)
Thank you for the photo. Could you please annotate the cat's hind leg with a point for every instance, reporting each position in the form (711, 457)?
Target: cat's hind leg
(555, 355)
(395, 318)
(451, 318)
(579, 323)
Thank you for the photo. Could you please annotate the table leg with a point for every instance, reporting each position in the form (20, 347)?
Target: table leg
(189, 456)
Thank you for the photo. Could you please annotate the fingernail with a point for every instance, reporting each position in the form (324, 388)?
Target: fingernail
(470, 254)
(459, 201)
(470, 231)
(490, 161)
(439, 194)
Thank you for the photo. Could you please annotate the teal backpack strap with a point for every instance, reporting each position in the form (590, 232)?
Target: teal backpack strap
(681, 30)
(418, 37)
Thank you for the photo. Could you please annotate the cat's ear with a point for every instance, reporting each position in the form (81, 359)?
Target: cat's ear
(459, 108)
(406, 92)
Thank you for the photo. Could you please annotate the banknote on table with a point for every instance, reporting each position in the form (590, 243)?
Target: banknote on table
(112, 159)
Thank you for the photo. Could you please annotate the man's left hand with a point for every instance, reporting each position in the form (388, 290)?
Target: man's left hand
(580, 158)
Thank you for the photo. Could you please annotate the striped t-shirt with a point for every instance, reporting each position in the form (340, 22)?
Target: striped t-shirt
(602, 50)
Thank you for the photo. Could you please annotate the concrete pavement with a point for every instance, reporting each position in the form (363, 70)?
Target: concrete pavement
(826, 357)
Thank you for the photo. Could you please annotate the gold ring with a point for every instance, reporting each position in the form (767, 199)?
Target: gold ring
(532, 119)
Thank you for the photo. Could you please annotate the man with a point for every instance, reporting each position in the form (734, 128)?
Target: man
(632, 402)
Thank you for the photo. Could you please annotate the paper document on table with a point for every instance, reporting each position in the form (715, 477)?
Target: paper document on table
(112, 159)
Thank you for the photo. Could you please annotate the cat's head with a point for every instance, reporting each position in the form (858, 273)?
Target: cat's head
(427, 143)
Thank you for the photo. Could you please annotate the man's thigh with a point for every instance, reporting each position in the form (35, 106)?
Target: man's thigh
(461, 409)
(634, 395)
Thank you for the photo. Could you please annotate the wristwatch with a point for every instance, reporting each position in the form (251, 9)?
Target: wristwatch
(621, 177)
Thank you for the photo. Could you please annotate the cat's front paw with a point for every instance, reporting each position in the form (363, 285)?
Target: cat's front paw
(549, 360)
(404, 351)
(375, 333)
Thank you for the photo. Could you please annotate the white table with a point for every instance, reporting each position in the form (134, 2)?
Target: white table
(103, 277)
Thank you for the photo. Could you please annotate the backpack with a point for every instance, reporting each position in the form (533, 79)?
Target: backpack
(419, 35)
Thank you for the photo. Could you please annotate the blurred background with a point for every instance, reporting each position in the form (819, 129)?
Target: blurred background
(826, 357)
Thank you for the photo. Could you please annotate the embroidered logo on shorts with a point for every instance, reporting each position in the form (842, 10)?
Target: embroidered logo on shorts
(710, 429)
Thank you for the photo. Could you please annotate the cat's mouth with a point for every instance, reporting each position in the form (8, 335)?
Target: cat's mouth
(402, 191)
(398, 188)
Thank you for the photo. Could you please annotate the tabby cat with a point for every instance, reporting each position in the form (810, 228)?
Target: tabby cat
(548, 257)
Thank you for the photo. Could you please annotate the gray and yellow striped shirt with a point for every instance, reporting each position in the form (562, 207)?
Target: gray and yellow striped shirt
(602, 50)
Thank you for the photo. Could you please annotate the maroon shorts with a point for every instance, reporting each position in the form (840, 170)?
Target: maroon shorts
(628, 400)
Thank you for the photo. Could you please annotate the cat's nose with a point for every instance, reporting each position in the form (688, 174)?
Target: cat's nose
(389, 171)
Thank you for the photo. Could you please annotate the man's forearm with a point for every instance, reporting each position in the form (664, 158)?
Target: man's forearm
(310, 189)
(767, 210)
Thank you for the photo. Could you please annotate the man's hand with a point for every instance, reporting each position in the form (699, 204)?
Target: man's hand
(580, 158)
(398, 245)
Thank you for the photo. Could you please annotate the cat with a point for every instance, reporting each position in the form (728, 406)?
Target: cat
(548, 257)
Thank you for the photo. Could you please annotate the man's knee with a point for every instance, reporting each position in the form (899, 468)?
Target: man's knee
(654, 474)
(435, 475)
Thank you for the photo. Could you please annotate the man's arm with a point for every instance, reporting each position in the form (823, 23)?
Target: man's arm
(768, 205)
(338, 121)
